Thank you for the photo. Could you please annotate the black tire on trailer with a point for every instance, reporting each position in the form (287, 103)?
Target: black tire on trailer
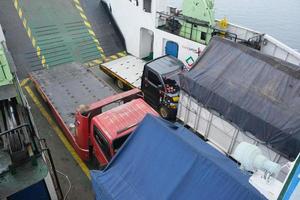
(120, 84)
(164, 112)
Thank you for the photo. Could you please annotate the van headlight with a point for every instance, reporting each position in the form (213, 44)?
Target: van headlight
(175, 99)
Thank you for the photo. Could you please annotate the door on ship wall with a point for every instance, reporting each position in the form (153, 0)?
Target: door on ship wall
(146, 44)
(171, 48)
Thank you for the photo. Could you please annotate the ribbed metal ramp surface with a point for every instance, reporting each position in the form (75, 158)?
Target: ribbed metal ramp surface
(48, 33)
(68, 86)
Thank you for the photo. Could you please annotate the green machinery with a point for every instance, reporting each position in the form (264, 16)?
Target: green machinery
(199, 20)
(25, 160)
(5, 74)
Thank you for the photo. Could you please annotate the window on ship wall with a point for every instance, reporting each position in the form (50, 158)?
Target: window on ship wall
(153, 78)
(147, 6)
(135, 2)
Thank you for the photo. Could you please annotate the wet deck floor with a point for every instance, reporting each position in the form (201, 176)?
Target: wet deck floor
(63, 159)
(25, 56)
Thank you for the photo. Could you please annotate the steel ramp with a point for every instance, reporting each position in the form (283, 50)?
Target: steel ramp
(110, 38)
(48, 33)
(59, 31)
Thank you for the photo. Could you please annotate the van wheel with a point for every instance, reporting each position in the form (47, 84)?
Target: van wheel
(120, 84)
(164, 112)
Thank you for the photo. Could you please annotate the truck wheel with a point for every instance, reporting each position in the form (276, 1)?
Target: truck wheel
(120, 84)
(100, 167)
(164, 112)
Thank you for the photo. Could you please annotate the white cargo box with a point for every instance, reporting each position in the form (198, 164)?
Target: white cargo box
(129, 69)
(222, 134)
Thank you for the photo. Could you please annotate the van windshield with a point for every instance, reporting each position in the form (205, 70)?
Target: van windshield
(171, 85)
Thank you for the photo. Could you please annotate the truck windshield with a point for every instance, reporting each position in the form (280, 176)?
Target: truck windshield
(171, 85)
(117, 143)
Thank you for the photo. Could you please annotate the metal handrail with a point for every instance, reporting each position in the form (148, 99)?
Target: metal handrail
(50, 159)
(16, 128)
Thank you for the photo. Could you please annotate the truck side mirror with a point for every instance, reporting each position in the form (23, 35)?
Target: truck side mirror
(146, 82)
(160, 87)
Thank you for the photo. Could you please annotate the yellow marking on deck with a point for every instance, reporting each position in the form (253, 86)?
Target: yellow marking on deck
(16, 4)
(95, 40)
(33, 42)
(83, 16)
(110, 58)
(89, 27)
(38, 51)
(113, 57)
(25, 23)
(98, 62)
(91, 32)
(107, 59)
(24, 82)
(94, 63)
(20, 12)
(29, 32)
(43, 61)
(116, 56)
(122, 54)
(100, 48)
(87, 24)
(79, 8)
(58, 131)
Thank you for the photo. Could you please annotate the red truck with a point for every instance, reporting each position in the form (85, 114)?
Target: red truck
(93, 117)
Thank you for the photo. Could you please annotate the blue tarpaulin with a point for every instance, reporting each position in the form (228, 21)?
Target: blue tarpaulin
(164, 161)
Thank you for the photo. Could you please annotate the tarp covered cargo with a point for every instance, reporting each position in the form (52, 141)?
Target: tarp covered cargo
(258, 93)
(163, 161)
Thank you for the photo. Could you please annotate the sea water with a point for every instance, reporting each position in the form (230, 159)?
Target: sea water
(278, 18)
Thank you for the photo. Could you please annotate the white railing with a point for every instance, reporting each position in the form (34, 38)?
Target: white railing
(269, 45)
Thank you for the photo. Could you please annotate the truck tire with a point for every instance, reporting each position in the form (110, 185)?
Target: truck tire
(101, 167)
(120, 84)
(164, 112)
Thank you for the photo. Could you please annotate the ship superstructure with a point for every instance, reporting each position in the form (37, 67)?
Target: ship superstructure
(182, 28)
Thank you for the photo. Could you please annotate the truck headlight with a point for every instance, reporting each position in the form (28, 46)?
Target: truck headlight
(173, 105)
(175, 99)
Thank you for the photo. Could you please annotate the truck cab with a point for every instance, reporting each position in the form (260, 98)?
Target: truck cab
(160, 84)
(111, 128)
(102, 129)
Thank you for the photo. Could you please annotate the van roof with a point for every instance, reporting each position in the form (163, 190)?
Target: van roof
(165, 65)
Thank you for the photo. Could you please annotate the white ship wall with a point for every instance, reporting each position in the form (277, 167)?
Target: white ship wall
(141, 35)
(2, 38)
(187, 48)
(130, 18)
(138, 27)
